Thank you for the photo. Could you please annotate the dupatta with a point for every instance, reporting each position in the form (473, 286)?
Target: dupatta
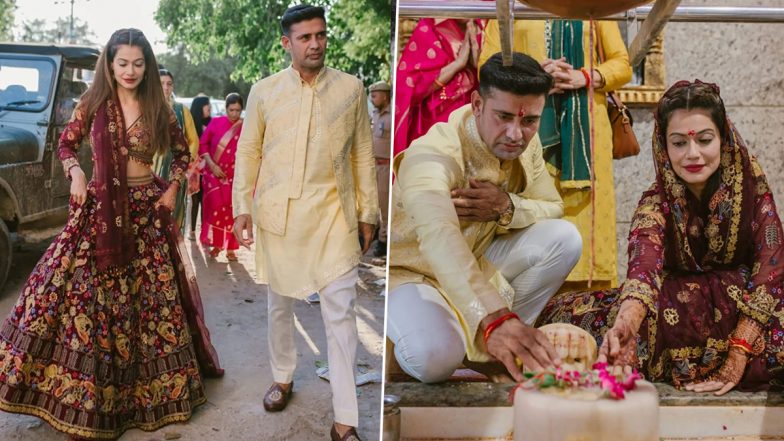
(419, 103)
(114, 241)
(728, 222)
(565, 125)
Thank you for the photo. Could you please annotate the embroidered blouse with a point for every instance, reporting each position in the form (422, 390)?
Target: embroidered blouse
(138, 147)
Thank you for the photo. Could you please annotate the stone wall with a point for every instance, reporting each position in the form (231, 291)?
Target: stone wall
(747, 61)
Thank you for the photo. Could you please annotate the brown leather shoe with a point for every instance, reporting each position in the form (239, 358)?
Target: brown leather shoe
(277, 398)
(351, 435)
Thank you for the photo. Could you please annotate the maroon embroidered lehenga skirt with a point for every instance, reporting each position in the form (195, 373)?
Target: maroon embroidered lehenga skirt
(96, 353)
(686, 340)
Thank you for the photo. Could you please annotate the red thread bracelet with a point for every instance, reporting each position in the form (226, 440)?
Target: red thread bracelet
(742, 344)
(587, 77)
(497, 322)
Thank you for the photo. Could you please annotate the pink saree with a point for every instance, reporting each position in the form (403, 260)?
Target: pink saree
(419, 102)
(219, 140)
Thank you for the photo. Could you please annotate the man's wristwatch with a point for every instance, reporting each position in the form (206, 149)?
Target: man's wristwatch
(506, 217)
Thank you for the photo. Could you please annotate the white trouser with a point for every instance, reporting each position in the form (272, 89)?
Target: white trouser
(340, 325)
(429, 342)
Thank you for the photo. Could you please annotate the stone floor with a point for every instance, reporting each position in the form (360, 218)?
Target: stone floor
(468, 411)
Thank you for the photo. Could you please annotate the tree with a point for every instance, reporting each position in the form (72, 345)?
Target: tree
(6, 18)
(212, 77)
(249, 32)
(36, 30)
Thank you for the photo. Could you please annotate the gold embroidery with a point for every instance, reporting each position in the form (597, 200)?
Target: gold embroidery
(637, 289)
(762, 302)
(671, 316)
(716, 315)
(684, 296)
(772, 236)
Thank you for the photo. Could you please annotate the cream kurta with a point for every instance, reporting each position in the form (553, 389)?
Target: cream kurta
(529, 39)
(428, 242)
(305, 172)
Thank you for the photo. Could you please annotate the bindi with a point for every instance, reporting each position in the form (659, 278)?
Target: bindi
(691, 133)
(521, 112)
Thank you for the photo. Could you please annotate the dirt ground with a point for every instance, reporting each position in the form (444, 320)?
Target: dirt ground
(236, 312)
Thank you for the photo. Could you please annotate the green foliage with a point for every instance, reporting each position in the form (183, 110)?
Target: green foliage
(211, 77)
(39, 31)
(248, 31)
(6, 18)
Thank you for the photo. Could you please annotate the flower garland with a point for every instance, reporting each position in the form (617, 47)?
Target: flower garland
(611, 386)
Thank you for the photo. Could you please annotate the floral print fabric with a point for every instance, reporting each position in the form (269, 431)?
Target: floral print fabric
(95, 353)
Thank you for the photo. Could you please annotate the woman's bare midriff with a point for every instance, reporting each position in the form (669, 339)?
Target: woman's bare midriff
(138, 170)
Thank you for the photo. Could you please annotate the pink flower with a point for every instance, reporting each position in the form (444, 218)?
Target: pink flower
(629, 383)
(617, 392)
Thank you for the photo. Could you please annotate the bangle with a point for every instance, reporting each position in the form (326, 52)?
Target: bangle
(442, 95)
(587, 77)
(497, 322)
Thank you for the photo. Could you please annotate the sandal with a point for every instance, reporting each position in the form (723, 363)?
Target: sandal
(214, 252)
(231, 256)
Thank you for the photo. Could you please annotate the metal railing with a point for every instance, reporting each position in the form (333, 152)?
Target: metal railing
(486, 9)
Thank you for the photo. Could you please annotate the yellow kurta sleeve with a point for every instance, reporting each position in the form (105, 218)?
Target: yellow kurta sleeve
(615, 69)
(190, 134)
(523, 41)
(246, 168)
(540, 199)
(491, 42)
(364, 163)
(426, 178)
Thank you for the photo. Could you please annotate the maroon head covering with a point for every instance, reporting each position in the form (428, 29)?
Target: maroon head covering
(724, 221)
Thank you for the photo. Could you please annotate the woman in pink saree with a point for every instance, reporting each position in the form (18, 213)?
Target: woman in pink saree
(436, 74)
(218, 147)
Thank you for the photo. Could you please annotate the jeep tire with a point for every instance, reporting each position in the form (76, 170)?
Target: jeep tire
(5, 252)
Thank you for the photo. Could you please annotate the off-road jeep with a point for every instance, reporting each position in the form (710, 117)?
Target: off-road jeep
(39, 87)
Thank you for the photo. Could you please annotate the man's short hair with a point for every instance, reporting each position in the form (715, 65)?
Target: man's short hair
(524, 77)
(298, 13)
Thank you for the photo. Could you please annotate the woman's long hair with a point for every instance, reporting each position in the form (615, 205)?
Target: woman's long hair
(197, 113)
(154, 109)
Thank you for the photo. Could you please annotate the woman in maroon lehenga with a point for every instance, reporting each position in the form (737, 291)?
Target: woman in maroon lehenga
(702, 303)
(108, 332)
(218, 147)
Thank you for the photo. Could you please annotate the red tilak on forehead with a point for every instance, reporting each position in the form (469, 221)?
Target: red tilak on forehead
(691, 133)
(521, 112)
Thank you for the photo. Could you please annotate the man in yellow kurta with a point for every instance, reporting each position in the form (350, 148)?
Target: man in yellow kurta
(531, 37)
(474, 233)
(305, 173)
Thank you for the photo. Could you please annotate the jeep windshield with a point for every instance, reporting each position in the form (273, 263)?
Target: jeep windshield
(25, 83)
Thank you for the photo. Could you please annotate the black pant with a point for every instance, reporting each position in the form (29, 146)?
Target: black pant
(195, 202)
